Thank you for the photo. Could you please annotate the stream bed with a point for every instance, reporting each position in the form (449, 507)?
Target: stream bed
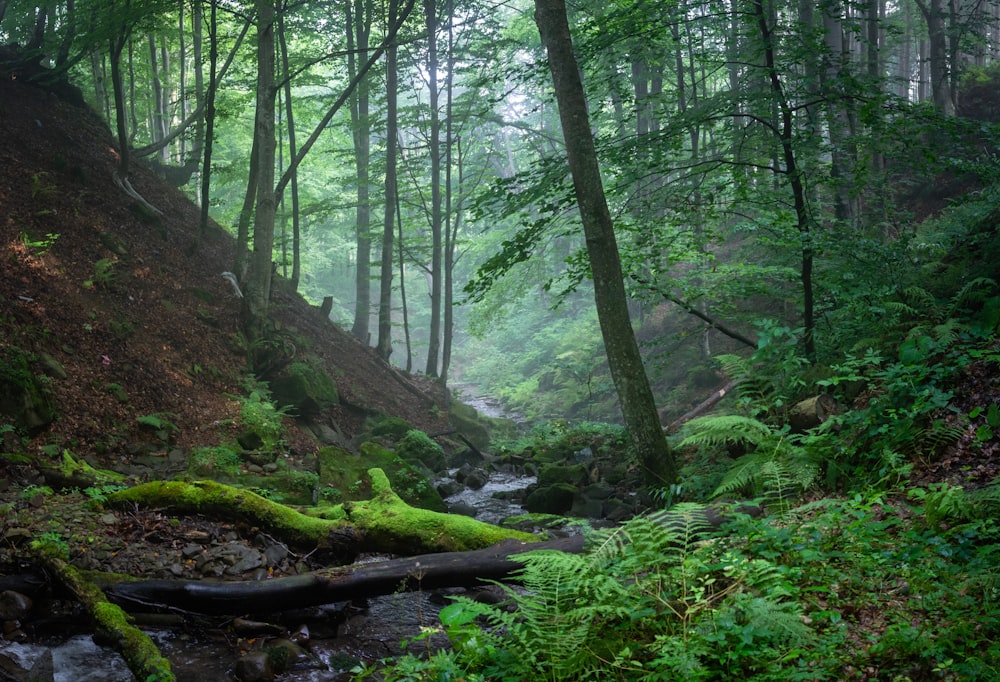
(338, 637)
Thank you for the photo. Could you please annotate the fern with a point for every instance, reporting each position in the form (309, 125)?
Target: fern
(776, 468)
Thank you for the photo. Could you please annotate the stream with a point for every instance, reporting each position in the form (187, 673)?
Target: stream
(337, 636)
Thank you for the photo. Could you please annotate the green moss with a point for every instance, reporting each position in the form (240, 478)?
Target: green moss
(305, 387)
(395, 526)
(210, 497)
(417, 446)
(393, 428)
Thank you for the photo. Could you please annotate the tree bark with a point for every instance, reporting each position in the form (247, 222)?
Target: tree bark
(359, 18)
(384, 347)
(434, 339)
(624, 361)
(256, 301)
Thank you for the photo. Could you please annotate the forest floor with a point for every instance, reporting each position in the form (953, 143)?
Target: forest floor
(129, 316)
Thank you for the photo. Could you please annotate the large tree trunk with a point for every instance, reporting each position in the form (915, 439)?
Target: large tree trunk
(624, 360)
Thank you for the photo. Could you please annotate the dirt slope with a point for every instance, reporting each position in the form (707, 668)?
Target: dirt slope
(131, 306)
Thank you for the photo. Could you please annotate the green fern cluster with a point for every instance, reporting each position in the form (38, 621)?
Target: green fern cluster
(650, 601)
(776, 467)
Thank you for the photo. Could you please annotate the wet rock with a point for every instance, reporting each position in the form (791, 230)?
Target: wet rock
(275, 554)
(463, 508)
(14, 605)
(449, 488)
(552, 499)
(254, 667)
(471, 477)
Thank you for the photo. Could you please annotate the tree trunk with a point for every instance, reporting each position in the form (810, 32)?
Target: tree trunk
(434, 339)
(359, 16)
(257, 292)
(624, 360)
(209, 120)
(384, 346)
(290, 118)
(383, 524)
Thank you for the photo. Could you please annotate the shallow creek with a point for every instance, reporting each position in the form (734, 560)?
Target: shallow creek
(340, 635)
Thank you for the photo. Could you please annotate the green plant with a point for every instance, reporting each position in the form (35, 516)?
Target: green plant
(648, 601)
(39, 246)
(32, 490)
(99, 494)
(259, 415)
(208, 461)
(104, 274)
(777, 467)
(51, 543)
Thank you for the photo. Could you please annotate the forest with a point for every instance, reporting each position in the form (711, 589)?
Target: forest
(721, 276)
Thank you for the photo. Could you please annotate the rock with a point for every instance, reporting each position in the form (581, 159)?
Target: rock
(553, 499)
(24, 397)
(14, 605)
(476, 479)
(462, 508)
(254, 667)
(305, 387)
(575, 475)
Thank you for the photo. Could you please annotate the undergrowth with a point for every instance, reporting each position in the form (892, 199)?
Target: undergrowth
(861, 588)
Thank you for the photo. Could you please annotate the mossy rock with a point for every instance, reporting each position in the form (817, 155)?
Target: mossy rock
(552, 499)
(574, 475)
(24, 397)
(305, 387)
(348, 473)
(467, 422)
(392, 428)
(417, 446)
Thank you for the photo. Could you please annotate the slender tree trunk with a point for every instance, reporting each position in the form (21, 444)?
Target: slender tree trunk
(402, 287)
(384, 347)
(292, 150)
(434, 339)
(794, 174)
(359, 16)
(209, 134)
(624, 360)
(258, 286)
(118, 87)
(452, 207)
(937, 35)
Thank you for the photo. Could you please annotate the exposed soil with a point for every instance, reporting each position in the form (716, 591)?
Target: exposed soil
(133, 311)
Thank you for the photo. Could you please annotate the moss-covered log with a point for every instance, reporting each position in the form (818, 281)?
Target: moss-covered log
(383, 524)
(140, 653)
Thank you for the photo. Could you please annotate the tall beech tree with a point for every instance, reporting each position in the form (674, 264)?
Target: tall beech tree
(625, 362)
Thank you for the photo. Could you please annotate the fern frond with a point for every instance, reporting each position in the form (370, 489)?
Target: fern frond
(975, 291)
(715, 430)
(900, 309)
(926, 306)
(776, 476)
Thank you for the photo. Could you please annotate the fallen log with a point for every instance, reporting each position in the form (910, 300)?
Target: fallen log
(383, 524)
(702, 407)
(342, 583)
(112, 623)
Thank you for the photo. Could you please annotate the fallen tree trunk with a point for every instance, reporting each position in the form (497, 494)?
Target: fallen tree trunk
(342, 583)
(140, 653)
(383, 524)
(702, 407)
(426, 572)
